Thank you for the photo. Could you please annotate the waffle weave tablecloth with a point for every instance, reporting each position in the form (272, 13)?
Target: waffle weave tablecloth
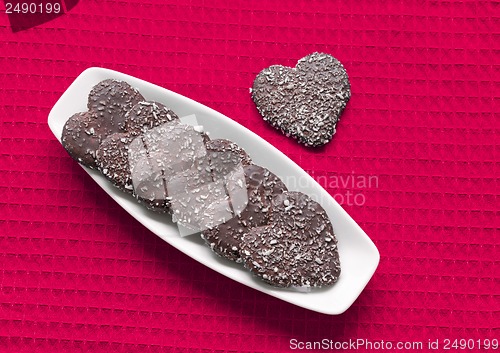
(77, 273)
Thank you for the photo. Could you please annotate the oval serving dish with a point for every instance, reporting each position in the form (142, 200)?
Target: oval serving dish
(358, 255)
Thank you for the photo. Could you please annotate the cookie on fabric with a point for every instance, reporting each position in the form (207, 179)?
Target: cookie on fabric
(298, 247)
(81, 136)
(262, 185)
(112, 160)
(304, 102)
(111, 100)
(146, 115)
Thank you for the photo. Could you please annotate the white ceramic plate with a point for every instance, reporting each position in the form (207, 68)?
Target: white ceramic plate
(358, 255)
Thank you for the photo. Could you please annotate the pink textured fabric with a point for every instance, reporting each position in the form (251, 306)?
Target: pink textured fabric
(77, 273)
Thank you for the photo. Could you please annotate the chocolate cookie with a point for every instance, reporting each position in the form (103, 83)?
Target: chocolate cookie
(158, 155)
(146, 115)
(112, 160)
(225, 148)
(261, 185)
(213, 190)
(111, 100)
(108, 102)
(148, 184)
(198, 199)
(81, 137)
(304, 102)
(297, 248)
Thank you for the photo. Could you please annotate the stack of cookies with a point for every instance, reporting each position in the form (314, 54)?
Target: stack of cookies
(243, 211)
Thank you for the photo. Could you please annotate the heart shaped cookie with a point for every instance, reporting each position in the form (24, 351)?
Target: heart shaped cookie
(261, 185)
(108, 103)
(112, 154)
(297, 248)
(304, 102)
